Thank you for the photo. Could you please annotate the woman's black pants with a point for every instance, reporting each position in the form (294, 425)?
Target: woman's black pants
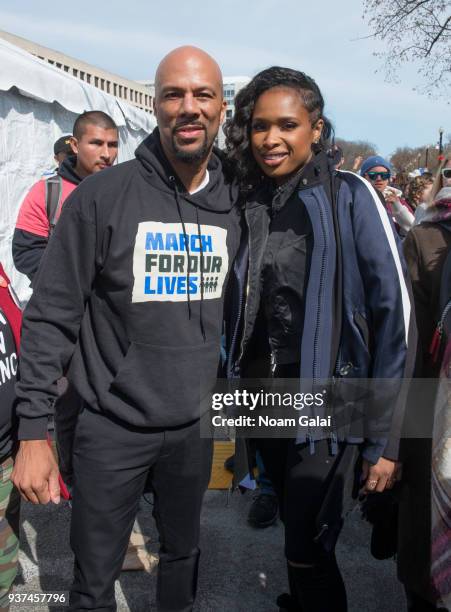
(111, 465)
(303, 482)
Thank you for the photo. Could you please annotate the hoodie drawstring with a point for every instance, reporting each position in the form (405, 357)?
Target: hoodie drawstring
(185, 238)
(202, 329)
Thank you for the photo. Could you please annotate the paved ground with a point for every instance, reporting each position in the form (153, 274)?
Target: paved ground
(242, 569)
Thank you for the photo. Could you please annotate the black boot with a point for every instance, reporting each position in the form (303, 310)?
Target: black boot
(287, 604)
(287, 601)
(319, 588)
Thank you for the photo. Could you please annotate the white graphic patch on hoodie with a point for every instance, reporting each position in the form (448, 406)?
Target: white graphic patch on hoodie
(164, 255)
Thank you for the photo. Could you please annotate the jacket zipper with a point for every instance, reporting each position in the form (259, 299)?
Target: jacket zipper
(321, 285)
(333, 438)
(235, 333)
(245, 294)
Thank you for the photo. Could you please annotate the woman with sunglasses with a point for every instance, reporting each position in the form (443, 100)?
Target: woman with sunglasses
(325, 296)
(378, 172)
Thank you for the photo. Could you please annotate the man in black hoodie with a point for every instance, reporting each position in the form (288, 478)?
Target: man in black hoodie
(132, 288)
(94, 145)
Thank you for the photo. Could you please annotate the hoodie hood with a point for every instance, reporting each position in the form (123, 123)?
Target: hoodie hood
(67, 170)
(217, 196)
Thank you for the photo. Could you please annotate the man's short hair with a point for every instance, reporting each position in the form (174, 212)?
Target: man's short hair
(98, 118)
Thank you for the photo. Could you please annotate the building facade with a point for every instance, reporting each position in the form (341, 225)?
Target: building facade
(133, 92)
(232, 86)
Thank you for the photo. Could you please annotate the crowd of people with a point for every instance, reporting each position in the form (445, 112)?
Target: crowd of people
(153, 277)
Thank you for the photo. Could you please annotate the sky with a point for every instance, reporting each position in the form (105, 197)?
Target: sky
(326, 39)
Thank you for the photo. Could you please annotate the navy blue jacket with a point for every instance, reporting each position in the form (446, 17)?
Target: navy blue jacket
(357, 310)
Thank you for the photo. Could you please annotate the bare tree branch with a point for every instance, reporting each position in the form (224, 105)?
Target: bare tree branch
(437, 36)
(414, 31)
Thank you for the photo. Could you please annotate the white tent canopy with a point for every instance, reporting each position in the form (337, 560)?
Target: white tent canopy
(39, 103)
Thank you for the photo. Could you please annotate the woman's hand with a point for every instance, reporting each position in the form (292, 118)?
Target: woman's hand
(380, 476)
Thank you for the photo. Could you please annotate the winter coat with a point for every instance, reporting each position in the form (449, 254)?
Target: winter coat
(426, 247)
(357, 306)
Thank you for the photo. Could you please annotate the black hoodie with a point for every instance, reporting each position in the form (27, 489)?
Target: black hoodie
(113, 286)
(67, 170)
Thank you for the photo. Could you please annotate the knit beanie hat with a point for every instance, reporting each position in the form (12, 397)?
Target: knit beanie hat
(372, 162)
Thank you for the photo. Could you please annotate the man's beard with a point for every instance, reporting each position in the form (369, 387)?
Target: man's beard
(191, 157)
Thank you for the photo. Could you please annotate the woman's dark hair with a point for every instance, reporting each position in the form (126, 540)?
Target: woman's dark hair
(238, 129)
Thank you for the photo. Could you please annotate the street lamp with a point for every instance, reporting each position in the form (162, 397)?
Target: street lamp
(440, 144)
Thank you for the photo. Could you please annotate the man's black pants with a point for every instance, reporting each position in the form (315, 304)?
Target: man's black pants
(111, 465)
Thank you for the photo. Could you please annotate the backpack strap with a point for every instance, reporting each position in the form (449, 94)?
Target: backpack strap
(53, 194)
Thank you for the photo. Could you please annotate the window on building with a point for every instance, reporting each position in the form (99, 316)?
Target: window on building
(75, 72)
(114, 89)
(82, 75)
(120, 91)
(88, 77)
(66, 68)
(108, 86)
(51, 62)
(140, 98)
(96, 81)
(102, 84)
(58, 65)
(125, 92)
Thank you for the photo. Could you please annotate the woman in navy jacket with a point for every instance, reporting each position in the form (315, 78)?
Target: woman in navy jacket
(326, 298)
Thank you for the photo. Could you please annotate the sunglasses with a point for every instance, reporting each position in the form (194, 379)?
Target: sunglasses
(385, 176)
(446, 173)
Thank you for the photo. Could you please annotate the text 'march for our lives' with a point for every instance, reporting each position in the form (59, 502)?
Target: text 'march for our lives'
(170, 261)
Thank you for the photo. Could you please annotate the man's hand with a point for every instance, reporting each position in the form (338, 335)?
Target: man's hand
(35, 472)
(392, 196)
(357, 163)
(380, 476)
